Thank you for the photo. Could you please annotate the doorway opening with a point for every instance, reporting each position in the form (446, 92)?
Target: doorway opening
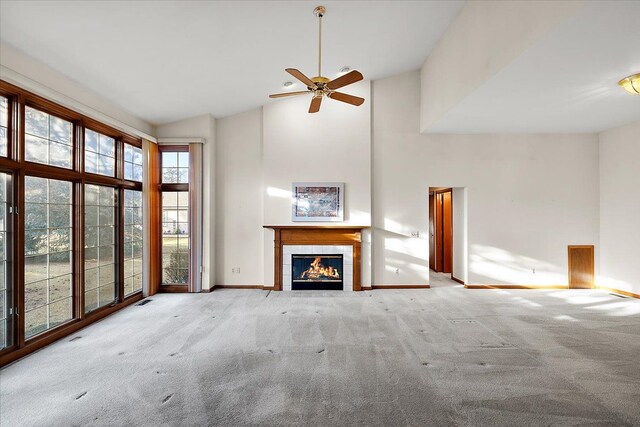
(440, 230)
(447, 235)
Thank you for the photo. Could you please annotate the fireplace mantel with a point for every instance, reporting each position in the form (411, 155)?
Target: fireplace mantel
(316, 235)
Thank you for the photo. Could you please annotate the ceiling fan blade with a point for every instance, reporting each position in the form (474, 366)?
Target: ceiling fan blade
(315, 104)
(298, 75)
(347, 79)
(349, 99)
(282, 95)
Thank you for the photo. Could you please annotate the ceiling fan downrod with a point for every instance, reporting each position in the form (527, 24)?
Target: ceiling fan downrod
(319, 11)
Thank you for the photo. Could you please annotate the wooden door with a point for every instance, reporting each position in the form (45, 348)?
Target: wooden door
(447, 233)
(441, 231)
(439, 265)
(581, 266)
(432, 231)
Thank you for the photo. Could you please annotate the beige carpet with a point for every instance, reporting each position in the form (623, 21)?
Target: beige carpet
(444, 356)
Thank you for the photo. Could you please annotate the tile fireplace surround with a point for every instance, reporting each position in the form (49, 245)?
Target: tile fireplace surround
(317, 239)
(347, 261)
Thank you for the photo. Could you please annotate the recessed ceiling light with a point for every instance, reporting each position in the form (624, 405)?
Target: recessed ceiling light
(288, 84)
(345, 69)
(631, 84)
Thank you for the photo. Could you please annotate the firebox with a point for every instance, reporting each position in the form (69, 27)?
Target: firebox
(321, 272)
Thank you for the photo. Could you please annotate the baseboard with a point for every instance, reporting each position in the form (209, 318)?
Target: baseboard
(399, 287)
(619, 291)
(455, 279)
(261, 287)
(501, 286)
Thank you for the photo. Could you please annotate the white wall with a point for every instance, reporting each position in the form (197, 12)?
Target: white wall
(529, 196)
(239, 195)
(333, 145)
(202, 127)
(484, 37)
(620, 208)
(261, 152)
(22, 70)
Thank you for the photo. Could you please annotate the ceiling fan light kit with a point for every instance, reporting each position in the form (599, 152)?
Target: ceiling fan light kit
(631, 84)
(320, 86)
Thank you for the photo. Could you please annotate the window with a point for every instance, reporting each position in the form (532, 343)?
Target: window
(100, 246)
(175, 237)
(132, 163)
(176, 244)
(48, 139)
(175, 167)
(132, 241)
(4, 273)
(65, 188)
(48, 254)
(99, 153)
(4, 126)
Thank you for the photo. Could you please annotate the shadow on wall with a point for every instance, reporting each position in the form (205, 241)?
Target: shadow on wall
(404, 253)
(491, 265)
(610, 282)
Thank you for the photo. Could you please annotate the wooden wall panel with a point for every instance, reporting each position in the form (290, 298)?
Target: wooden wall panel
(581, 266)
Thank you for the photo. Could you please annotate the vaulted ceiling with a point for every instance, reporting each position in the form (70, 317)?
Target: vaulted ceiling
(169, 60)
(566, 82)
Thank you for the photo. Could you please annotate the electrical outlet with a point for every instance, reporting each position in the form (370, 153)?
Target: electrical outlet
(235, 270)
(397, 271)
(415, 234)
(533, 270)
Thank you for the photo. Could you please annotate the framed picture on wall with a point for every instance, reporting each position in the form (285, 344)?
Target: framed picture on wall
(317, 201)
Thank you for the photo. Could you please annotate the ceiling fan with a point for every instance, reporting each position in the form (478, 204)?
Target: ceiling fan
(321, 86)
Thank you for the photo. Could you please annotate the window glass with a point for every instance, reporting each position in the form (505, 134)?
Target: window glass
(48, 254)
(175, 167)
(99, 153)
(132, 241)
(4, 126)
(132, 163)
(100, 246)
(4, 303)
(175, 237)
(47, 139)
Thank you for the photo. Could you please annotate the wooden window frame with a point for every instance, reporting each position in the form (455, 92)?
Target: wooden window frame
(18, 168)
(182, 187)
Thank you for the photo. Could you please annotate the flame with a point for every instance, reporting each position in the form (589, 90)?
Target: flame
(318, 271)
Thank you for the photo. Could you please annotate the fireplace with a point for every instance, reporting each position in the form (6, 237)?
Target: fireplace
(316, 241)
(316, 271)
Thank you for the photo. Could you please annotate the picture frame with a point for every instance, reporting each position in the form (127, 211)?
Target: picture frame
(317, 201)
